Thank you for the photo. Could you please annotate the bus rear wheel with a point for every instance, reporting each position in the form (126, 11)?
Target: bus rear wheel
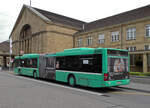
(72, 81)
(34, 75)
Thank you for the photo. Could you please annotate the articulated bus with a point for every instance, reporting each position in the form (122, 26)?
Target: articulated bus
(90, 67)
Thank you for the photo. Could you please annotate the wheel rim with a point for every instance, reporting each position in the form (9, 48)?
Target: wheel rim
(71, 81)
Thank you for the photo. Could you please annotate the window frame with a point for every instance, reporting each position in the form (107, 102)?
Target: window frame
(131, 33)
(100, 40)
(115, 36)
(131, 48)
(89, 40)
(148, 25)
(79, 42)
(146, 47)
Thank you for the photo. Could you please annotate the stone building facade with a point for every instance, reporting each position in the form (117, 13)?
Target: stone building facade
(39, 31)
(4, 55)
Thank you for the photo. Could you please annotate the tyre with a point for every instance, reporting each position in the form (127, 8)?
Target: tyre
(72, 81)
(34, 75)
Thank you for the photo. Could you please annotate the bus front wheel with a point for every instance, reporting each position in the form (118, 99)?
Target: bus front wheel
(72, 81)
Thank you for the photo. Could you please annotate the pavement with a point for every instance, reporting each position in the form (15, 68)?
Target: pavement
(26, 92)
(137, 87)
(141, 84)
(140, 79)
(138, 83)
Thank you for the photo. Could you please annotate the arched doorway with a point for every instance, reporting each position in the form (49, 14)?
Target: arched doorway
(25, 39)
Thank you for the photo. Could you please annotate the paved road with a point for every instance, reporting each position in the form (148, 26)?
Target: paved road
(25, 92)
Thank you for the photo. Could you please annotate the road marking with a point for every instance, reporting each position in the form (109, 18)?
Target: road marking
(57, 85)
(132, 93)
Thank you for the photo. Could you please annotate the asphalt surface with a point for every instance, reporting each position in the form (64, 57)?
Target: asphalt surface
(26, 92)
(141, 79)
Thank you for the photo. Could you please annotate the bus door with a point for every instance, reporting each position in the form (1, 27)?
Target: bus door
(47, 67)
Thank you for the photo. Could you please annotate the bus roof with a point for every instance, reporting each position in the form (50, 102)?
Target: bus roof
(82, 51)
(76, 51)
(27, 56)
(17, 57)
(30, 56)
(73, 51)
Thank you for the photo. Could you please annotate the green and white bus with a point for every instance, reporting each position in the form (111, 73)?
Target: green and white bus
(90, 67)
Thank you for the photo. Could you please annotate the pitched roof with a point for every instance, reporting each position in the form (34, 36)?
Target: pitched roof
(61, 19)
(49, 16)
(4, 46)
(124, 17)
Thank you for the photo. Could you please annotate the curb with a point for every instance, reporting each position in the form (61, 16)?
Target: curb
(139, 90)
(134, 76)
(141, 80)
(10, 72)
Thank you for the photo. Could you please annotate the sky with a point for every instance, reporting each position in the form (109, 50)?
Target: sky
(84, 10)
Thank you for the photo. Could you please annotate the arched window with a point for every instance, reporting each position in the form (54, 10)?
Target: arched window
(25, 39)
(25, 31)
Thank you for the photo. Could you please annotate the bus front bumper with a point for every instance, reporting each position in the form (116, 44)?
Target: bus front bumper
(116, 83)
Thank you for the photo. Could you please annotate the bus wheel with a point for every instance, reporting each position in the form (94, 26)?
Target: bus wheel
(72, 80)
(34, 75)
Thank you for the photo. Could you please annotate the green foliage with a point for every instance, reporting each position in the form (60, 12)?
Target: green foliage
(146, 74)
(140, 73)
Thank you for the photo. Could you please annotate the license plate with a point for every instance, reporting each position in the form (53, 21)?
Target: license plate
(118, 82)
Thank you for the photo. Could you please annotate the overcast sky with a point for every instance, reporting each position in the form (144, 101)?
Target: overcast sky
(85, 10)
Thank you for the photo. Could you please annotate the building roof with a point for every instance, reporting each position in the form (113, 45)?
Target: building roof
(61, 19)
(49, 16)
(4, 47)
(124, 17)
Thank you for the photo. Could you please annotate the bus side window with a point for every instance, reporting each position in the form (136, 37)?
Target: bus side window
(87, 63)
(34, 63)
(73, 63)
(28, 63)
(16, 63)
(61, 63)
(81, 63)
(91, 63)
(98, 63)
(24, 63)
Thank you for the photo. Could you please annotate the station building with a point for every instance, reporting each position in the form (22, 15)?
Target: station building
(40, 31)
(4, 55)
